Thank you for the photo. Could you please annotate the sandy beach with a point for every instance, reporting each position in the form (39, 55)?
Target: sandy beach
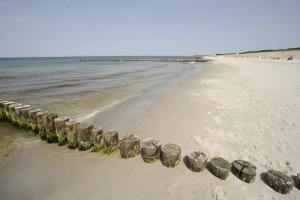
(234, 108)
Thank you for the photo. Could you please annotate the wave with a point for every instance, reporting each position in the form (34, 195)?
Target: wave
(104, 108)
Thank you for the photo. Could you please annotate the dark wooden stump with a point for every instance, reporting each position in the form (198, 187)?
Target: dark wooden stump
(279, 181)
(219, 167)
(2, 110)
(110, 141)
(60, 130)
(84, 137)
(12, 111)
(96, 139)
(244, 170)
(150, 150)
(41, 124)
(71, 132)
(33, 122)
(170, 155)
(18, 111)
(129, 146)
(297, 181)
(25, 117)
(6, 109)
(196, 161)
(50, 127)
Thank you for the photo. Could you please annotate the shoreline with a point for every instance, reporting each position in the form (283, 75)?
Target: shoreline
(219, 111)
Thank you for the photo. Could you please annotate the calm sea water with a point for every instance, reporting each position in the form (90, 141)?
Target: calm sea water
(44, 82)
(82, 90)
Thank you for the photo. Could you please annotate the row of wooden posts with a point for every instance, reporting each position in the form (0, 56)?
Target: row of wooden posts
(68, 132)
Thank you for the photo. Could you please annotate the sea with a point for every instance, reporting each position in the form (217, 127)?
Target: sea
(84, 88)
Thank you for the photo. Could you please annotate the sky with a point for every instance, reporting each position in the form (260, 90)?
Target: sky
(41, 28)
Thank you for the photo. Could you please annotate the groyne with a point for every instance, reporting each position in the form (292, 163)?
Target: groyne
(182, 59)
(85, 137)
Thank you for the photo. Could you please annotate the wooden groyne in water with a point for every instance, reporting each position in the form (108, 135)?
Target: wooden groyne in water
(182, 59)
(56, 129)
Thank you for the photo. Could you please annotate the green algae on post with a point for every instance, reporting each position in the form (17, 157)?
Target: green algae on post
(41, 124)
(71, 132)
(49, 124)
(84, 133)
(60, 130)
(33, 123)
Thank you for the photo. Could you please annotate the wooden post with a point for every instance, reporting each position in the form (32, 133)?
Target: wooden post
(129, 146)
(2, 110)
(60, 129)
(41, 124)
(170, 155)
(18, 111)
(6, 109)
(33, 121)
(71, 131)
(12, 111)
(84, 134)
(50, 127)
(110, 141)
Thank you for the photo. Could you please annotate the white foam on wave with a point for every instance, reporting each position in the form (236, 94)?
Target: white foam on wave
(104, 108)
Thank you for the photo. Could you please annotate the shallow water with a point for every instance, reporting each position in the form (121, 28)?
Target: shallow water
(84, 90)
(42, 81)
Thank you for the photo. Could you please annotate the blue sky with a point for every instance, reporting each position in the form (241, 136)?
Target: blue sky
(145, 27)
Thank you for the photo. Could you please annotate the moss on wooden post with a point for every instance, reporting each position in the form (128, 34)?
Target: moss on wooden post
(41, 124)
(33, 121)
(71, 132)
(6, 109)
(2, 110)
(60, 130)
(49, 123)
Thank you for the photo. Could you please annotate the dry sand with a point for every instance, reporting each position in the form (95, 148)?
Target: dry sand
(283, 55)
(234, 108)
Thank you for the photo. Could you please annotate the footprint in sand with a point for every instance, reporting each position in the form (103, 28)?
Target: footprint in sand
(219, 193)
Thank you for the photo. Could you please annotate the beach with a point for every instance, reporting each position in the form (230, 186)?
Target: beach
(235, 108)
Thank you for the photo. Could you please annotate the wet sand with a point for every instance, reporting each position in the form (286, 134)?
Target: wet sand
(234, 108)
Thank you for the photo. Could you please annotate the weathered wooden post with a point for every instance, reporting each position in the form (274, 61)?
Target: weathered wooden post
(170, 155)
(196, 161)
(18, 111)
(244, 170)
(129, 146)
(219, 167)
(297, 181)
(12, 111)
(25, 117)
(6, 109)
(2, 110)
(33, 121)
(96, 139)
(110, 140)
(48, 120)
(41, 124)
(71, 131)
(84, 137)
(150, 150)
(278, 181)
(60, 129)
